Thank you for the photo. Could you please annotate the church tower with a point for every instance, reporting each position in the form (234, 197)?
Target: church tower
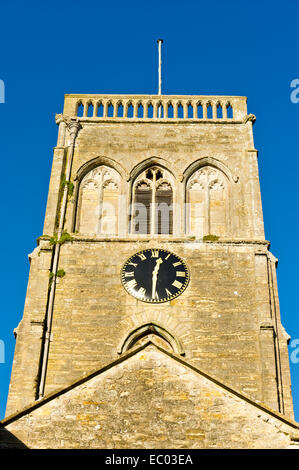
(152, 315)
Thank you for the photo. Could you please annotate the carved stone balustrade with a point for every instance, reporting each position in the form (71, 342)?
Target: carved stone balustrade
(156, 107)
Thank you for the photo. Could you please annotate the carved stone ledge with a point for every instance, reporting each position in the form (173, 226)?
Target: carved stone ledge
(267, 325)
(62, 118)
(249, 117)
(73, 124)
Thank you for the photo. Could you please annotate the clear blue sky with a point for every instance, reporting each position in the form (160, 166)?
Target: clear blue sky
(217, 47)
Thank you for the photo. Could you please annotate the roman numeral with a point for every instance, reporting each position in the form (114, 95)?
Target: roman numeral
(142, 256)
(155, 253)
(168, 255)
(133, 264)
(177, 284)
(141, 291)
(129, 274)
(180, 274)
(131, 284)
(168, 293)
(177, 263)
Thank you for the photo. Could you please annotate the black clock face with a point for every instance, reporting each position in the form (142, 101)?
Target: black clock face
(155, 275)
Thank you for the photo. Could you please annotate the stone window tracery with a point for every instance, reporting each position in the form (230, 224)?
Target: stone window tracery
(152, 202)
(98, 204)
(207, 203)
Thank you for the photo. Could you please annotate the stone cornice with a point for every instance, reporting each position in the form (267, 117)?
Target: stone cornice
(156, 240)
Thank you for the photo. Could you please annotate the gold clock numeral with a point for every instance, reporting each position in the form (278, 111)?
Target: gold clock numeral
(180, 274)
(142, 256)
(168, 255)
(168, 293)
(177, 263)
(131, 284)
(141, 291)
(155, 253)
(129, 274)
(177, 284)
(156, 296)
(133, 264)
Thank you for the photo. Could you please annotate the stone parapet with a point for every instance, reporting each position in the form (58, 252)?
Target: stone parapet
(157, 107)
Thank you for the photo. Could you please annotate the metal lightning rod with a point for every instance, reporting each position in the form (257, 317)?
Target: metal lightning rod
(159, 41)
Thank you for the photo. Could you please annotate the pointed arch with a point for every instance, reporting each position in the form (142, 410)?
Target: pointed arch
(207, 197)
(90, 109)
(199, 110)
(110, 109)
(100, 160)
(219, 110)
(170, 110)
(160, 110)
(148, 162)
(99, 109)
(209, 110)
(229, 111)
(152, 201)
(190, 110)
(79, 109)
(140, 109)
(98, 202)
(119, 109)
(149, 109)
(98, 186)
(149, 329)
(211, 161)
(129, 109)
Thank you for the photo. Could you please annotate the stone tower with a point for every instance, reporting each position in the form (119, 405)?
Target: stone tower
(152, 316)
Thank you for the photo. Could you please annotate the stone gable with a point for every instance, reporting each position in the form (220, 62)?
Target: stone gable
(150, 399)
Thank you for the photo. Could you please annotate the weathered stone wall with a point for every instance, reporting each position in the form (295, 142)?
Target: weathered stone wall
(151, 401)
(225, 320)
(177, 146)
(215, 319)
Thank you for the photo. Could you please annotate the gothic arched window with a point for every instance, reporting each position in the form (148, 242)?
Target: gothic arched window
(152, 202)
(207, 202)
(98, 203)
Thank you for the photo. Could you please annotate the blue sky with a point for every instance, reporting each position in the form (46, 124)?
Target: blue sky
(227, 48)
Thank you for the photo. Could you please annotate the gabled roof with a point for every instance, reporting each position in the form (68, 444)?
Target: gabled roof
(125, 357)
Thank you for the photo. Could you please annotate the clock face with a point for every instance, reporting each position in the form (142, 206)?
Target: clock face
(155, 275)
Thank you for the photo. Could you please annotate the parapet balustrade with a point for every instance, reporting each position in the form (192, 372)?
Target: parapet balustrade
(157, 107)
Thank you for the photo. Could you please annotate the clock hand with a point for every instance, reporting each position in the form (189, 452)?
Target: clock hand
(154, 283)
(154, 276)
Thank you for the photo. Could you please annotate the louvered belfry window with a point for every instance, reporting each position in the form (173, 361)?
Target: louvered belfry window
(143, 199)
(152, 208)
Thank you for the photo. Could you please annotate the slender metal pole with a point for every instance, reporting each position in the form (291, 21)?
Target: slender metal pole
(159, 41)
